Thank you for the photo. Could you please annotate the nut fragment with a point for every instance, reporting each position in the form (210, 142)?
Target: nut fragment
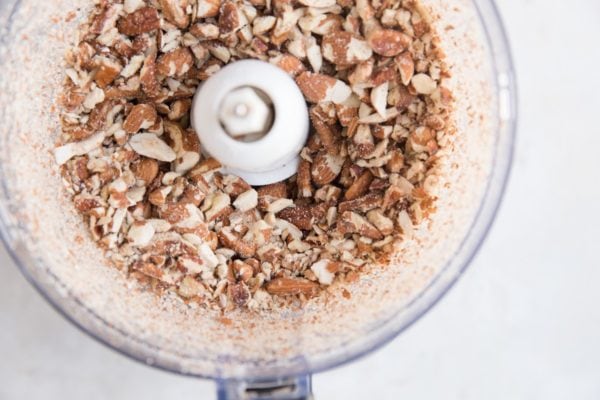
(175, 12)
(351, 222)
(423, 84)
(149, 145)
(141, 21)
(291, 286)
(319, 88)
(175, 63)
(208, 8)
(325, 271)
(141, 116)
(326, 167)
(145, 169)
(388, 42)
(344, 48)
(246, 201)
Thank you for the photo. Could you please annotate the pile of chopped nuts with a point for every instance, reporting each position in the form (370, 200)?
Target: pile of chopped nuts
(371, 73)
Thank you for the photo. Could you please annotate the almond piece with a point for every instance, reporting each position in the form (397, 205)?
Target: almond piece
(148, 80)
(326, 133)
(246, 201)
(325, 168)
(304, 180)
(179, 109)
(379, 97)
(381, 222)
(289, 64)
(344, 48)
(406, 66)
(130, 6)
(303, 217)
(220, 206)
(174, 11)
(231, 18)
(230, 240)
(351, 222)
(208, 8)
(362, 204)
(140, 234)
(275, 190)
(239, 294)
(318, 87)
(325, 271)
(360, 186)
(145, 169)
(141, 21)
(423, 84)
(107, 71)
(175, 63)
(149, 145)
(291, 286)
(317, 3)
(388, 42)
(141, 116)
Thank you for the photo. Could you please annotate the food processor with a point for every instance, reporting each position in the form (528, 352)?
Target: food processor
(251, 355)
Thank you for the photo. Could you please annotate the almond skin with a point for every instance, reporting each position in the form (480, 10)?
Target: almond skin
(292, 286)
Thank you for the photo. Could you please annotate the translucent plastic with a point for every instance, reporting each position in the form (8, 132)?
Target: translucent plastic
(49, 242)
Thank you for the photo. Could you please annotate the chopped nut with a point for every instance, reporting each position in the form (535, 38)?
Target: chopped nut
(140, 234)
(175, 63)
(208, 8)
(318, 88)
(149, 145)
(406, 66)
(360, 186)
(142, 116)
(423, 84)
(291, 286)
(344, 48)
(145, 169)
(246, 201)
(144, 20)
(379, 97)
(325, 271)
(381, 222)
(388, 42)
(325, 168)
(175, 12)
(108, 70)
(351, 222)
(229, 239)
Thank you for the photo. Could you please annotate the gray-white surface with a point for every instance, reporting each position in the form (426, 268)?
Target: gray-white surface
(523, 322)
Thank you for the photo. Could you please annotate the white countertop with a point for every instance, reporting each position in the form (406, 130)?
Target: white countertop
(522, 323)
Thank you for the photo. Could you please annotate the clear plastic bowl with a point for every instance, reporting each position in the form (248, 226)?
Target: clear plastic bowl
(48, 241)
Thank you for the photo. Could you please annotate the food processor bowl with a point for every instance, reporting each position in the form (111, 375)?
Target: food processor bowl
(247, 352)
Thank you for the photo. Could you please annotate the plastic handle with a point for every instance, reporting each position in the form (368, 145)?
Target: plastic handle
(296, 388)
